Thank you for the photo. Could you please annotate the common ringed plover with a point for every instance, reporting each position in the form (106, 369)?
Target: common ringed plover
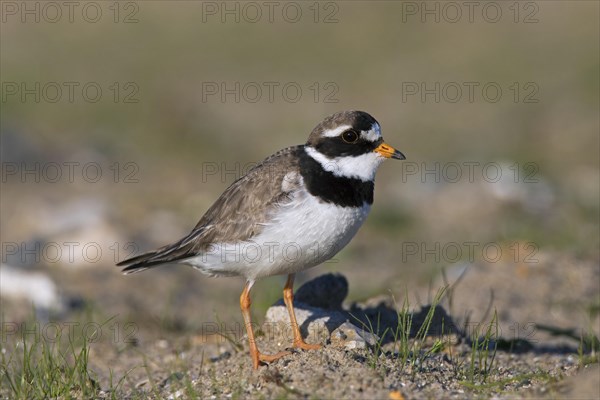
(295, 210)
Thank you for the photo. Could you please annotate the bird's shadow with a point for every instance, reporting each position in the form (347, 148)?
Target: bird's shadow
(386, 322)
(382, 320)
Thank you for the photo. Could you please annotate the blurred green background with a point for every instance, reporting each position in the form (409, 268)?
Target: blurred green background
(157, 133)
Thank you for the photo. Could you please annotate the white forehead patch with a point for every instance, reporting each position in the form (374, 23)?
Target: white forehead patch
(337, 131)
(372, 135)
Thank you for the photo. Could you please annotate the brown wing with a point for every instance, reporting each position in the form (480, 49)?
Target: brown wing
(237, 215)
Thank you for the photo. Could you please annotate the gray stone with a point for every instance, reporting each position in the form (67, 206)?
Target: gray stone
(318, 307)
(351, 337)
(315, 324)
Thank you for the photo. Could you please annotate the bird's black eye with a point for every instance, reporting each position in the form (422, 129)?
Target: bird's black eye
(350, 136)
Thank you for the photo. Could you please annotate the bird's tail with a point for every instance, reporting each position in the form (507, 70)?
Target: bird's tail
(168, 254)
(142, 262)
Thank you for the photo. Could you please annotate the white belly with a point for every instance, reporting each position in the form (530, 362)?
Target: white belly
(303, 233)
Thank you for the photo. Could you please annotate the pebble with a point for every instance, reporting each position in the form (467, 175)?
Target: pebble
(351, 337)
(315, 322)
(35, 287)
(318, 307)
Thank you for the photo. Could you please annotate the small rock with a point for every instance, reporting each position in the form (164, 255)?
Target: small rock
(315, 323)
(326, 291)
(35, 287)
(351, 337)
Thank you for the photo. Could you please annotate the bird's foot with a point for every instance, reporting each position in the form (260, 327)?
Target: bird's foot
(301, 344)
(259, 357)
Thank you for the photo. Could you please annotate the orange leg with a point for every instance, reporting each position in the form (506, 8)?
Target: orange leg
(288, 298)
(256, 355)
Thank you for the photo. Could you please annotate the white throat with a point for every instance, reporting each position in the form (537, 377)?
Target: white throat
(361, 167)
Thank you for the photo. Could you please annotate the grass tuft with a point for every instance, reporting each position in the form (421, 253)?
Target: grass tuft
(48, 369)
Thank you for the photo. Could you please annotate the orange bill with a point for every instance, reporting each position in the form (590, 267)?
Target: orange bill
(389, 152)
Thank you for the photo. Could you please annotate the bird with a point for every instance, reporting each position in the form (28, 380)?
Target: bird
(293, 211)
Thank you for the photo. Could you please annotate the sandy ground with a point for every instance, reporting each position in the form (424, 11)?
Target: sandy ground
(537, 355)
